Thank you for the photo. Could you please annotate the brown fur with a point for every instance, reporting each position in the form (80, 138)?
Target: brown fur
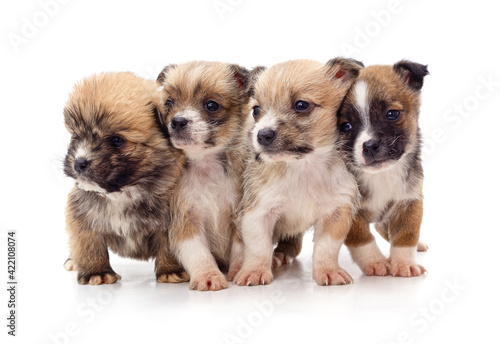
(121, 201)
(210, 188)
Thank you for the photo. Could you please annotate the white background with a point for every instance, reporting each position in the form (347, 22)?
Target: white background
(459, 42)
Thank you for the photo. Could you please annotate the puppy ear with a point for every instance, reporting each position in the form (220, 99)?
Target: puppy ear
(252, 79)
(163, 74)
(240, 74)
(411, 73)
(344, 69)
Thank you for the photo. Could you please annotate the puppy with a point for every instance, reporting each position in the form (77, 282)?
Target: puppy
(296, 177)
(125, 170)
(206, 111)
(379, 122)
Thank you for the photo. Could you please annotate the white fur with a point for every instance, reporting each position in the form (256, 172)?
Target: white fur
(362, 103)
(196, 257)
(82, 152)
(387, 185)
(212, 194)
(89, 186)
(367, 254)
(363, 137)
(405, 255)
(326, 250)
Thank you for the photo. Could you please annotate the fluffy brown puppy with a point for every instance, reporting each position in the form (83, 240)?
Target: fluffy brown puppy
(379, 122)
(296, 178)
(125, 170)
(206, 111)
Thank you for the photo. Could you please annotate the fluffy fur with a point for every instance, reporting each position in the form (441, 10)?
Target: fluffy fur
(125, 170)
(206, 111)
(295, 177)
(379, 124)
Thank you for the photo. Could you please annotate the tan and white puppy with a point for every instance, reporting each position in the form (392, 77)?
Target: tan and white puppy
(296, 178)
(379, 122)
(206, 112)
(125, 170)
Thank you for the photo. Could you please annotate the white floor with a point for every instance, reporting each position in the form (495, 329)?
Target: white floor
(442, 306)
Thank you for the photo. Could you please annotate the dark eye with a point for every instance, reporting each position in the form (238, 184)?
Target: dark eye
(212, 106)
(116, 141)
(393, 114)
(345, 127)
(169, 103)
(256, 111)
(301, 106)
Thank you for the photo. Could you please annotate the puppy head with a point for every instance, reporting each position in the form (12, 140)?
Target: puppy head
(205, 104)
(379, 116)
(116, 141)
(295, 104)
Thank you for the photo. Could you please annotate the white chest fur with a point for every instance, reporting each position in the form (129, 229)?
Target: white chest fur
(209, 191)
(311, 188)
(390, 185)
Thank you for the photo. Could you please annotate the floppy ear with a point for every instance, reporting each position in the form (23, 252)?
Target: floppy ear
(411, 73)
(163, 74)
(252, 79)
(344, 69)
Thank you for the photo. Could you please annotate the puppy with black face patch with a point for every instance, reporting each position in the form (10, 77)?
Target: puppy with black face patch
(379, 121)
(206, 111)
(125, 170)
(296, 178)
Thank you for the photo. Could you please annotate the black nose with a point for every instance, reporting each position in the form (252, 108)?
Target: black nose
(179, 123)
(371, 147)
(81, 165)
(266, 136)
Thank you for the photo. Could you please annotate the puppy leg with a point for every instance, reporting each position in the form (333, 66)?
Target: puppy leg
(329, 235)
(257, 232)
(403, 231)
(363, 248)
(236, 258)
(167, 268)
(287, 250)
(90, 254)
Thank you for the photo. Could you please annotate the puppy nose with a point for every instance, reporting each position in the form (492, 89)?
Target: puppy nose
(81, 165)
(371, 147)
(179, 123)
(266, 136)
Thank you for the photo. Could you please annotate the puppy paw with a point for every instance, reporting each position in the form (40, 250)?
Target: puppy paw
(98, 279)
(174, 277)
(377, 268)
(280, 258)
(208, 281)
(251, 277)
(332, 276)
(400, 268)
(70, 265)
(233, 271)
(422, 246)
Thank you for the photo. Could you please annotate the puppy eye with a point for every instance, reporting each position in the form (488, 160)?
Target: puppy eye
(212, 106)
(116, 141)
(169, 103)
(345, 127)
(256, 111)
(393, 114)
(301, 106)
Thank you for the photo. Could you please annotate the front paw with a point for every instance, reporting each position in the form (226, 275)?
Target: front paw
(377, 268)
(251, 277)
(173, 277)
(403, 268)
(208, 281)
(332, 276)
(281, 258)
(98, 278)
(70, 265)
